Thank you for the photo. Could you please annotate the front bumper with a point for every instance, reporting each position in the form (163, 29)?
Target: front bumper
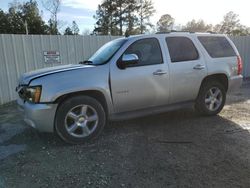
(39, 116)
(234, 83)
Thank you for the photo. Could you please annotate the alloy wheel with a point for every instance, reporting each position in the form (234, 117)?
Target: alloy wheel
(81, 121)
(213, 99)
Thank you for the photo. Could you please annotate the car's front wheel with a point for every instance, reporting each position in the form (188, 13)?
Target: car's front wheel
(79, 119)
(211, 98)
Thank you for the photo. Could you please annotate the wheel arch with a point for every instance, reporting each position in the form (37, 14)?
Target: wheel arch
(96, 94)
(207, 82)
(220, 77)
(59, 127)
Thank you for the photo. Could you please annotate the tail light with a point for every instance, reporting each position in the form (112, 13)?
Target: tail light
(240, 65)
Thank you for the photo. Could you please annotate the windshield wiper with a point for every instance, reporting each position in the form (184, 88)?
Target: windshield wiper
(87, 62)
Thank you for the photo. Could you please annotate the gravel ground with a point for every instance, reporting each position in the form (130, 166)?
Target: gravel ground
(174, 149)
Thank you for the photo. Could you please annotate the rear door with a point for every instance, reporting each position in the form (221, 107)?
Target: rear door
(187, 68)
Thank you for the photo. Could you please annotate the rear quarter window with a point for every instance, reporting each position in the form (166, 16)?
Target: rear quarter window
(217, 46)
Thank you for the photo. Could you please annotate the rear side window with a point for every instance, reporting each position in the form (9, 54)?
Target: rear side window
(217, 46)
(181, 49)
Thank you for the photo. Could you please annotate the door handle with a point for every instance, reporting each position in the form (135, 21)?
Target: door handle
(199, 67)
(159, 72)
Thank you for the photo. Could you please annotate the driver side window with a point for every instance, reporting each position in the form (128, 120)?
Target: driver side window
(148, 51)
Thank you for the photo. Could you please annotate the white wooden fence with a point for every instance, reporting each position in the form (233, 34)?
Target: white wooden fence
(23, 53)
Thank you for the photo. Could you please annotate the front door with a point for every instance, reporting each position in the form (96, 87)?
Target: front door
(143, 85)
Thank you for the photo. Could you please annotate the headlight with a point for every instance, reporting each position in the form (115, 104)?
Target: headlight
(33, 94)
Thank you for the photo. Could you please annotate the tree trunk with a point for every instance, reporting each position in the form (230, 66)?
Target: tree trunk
(141, 20)
(120, 20)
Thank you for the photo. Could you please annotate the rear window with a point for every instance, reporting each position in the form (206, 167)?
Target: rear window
(181, 49)
(217, 46)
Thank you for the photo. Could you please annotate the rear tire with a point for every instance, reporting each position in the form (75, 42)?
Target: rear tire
(79, 119)
(211, 98)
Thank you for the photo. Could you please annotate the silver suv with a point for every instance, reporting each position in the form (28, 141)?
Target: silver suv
(131, 77)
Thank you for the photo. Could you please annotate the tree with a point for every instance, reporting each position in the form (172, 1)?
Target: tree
(116, 16)
(4, 25)
(112, 16)
(197, 26)
(165, 23)
(101, 25)
(53, 6)
(106, 24)
(31, 16)
(68, 31)
(230, 23)
(22, 18)
(75, 28)
(119, 14)
(241, 31)
(131, 18)
(52, 29)
(146, 11)
(15, 21)
(217, 28)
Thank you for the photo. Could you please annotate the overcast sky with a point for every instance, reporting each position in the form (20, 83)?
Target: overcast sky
(211, 11)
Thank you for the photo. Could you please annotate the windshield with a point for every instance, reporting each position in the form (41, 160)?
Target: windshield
(106, 52)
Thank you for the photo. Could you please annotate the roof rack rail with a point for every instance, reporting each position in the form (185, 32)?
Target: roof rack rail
(163, 32)
(182, 31)
(173, 31)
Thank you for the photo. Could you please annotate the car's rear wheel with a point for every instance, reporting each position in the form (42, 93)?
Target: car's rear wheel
(211, 98)
(79, 119)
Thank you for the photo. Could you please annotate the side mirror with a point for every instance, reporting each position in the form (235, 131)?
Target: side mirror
(127, 59)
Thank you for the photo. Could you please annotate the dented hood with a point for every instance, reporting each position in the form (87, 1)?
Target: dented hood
(29, 76)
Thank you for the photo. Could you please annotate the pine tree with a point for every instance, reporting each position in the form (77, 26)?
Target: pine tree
(115, 17)
(30, 14)
(146, 11)
(119, 14)
(4, 25)
(68, 31)
(22, 18)
(106, 18)
(75, 28)
(131, 19)
(15, 21)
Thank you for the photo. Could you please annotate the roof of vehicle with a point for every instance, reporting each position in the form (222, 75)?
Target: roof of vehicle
(176, 33)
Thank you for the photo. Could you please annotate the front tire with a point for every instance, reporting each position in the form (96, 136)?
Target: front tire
(211, 98)
(79, 119)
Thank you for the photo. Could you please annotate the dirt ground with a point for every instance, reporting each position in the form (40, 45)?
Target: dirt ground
(174, 149)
